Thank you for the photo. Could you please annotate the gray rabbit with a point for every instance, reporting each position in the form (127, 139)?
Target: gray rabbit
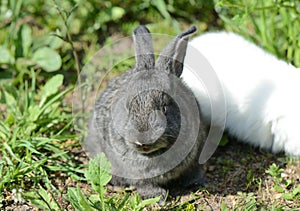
(147, 122)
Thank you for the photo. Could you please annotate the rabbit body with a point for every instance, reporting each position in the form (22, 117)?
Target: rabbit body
(136, 122)
(261, 91)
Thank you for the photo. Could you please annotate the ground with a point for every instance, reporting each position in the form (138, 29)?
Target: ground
(236, 179)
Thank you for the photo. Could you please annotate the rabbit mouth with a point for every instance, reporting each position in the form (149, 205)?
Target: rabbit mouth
(148, 149)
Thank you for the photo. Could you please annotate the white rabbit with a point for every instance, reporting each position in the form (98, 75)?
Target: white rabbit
(262, 92)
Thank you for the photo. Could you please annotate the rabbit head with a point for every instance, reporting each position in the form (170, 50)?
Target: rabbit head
(148, 115)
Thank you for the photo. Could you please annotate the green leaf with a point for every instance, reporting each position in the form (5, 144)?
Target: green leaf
(224, 207)
(50, 40)
(10, 118)
(78, 200)
(44, 195)
(28, 145)
(11, 89)
(42, 199)
(288, 196)
(278, 189)
(6, 57)
(162, 8)
(54, 99)
(296, 191)
(74, 198)
(26, 39)
(99, 172)
(10, 151)
(47, 59)
(83, 201)
(10, 100)
(117, 13)
(51, 87)
(147, 202)
(4, 130)
(33, 113)
(121, 204)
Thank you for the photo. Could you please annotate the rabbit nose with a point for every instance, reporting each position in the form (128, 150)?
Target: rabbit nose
(147, 131)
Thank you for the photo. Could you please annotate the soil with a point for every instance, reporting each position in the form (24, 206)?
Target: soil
(233, 172)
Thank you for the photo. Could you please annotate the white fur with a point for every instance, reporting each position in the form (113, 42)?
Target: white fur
(261, 91)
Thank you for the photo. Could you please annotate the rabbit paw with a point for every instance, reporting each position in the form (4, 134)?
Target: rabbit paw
(151, 191)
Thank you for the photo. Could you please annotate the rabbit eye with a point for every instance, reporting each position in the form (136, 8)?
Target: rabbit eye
(165, 103)
(164, 109)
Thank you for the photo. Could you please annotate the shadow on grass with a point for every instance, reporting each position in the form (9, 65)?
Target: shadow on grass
(238, 167)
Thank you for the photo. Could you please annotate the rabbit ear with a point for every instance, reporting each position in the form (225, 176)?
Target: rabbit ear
(144, 56)
(172, 56)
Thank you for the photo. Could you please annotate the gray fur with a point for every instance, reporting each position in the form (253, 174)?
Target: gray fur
(136, 120)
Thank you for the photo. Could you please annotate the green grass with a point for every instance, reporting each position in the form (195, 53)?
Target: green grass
(274, 25)
(43, 45)
(35, 136)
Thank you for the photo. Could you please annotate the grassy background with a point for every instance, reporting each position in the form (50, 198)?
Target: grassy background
(44, 44)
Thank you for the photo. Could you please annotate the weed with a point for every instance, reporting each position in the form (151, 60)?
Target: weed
(98, 175)
(34, 135)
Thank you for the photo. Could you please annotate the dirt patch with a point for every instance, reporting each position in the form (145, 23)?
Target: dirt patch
(236, 177)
